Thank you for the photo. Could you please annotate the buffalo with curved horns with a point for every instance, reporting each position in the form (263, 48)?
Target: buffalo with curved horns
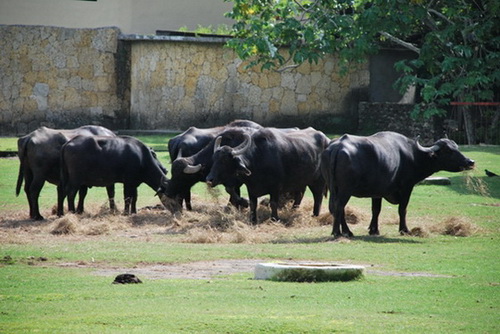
(182, 149)
(384, 165)
(273, 162)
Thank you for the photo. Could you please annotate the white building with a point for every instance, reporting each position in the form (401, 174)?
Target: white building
(131, 16)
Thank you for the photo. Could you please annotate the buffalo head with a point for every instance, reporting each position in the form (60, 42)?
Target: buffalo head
(170, 203)
(447, 156)
(228, 161)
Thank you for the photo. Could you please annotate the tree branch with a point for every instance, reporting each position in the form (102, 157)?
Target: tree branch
(435, 12)
(400, 42)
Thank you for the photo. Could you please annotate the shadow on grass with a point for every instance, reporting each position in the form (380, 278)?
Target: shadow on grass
(365, 238)
(17, 223)
(478, 185)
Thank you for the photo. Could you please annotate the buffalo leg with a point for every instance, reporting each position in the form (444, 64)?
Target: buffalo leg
(133, 208)
(81, 199)
(187, 199)
(111, 196)
(235, 198)
(33, 192)
(71, 194)
(61, 195)
(28, 179)
(179, 200)
(337, 205)
(403, 229)
(130, 194)
(297, 199)
(376, 207)
(317, 191)
(274, 203)
(253, 209)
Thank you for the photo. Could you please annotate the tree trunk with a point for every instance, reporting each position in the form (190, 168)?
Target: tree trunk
(469, 126)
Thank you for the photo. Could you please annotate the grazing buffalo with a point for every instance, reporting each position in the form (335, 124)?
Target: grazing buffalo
(186, 145)
(194, 139)
(385, 165)
(273, 162)
(103, 161)
(39, 153)
(187, 171)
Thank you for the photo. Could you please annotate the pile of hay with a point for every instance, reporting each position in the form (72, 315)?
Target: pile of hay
(456, 226)
(87, 224)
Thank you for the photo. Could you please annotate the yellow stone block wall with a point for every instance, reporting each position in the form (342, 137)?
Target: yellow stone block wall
(57, 77)
(176, 84)
(64, 78)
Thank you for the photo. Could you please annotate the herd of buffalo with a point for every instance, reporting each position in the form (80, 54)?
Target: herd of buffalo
(279, 162)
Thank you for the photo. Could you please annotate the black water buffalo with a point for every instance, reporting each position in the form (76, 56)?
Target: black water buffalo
(187, 171)
(273, 162)
(194, 139)
(102, 161)
(39, 153)
(188, 144)
(384, 165)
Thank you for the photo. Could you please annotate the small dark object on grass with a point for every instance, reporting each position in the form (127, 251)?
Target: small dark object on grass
(7, 259)
(126, 279)
(490, 174)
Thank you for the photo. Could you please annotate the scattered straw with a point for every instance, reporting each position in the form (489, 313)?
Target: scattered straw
(419, 232)
(353, 216)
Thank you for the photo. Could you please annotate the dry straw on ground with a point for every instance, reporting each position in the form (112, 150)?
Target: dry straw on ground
(456, 226)
(209, 222)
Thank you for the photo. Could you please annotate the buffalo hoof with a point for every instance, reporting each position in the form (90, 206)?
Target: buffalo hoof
(342, 235)
(243, 203)
(39, 217)
(375, 232)
(348, 234)
(404, 232)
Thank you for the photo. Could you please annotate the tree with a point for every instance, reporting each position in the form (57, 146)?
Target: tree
(456, 42)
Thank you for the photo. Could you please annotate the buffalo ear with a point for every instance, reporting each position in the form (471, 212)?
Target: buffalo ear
(243, 170)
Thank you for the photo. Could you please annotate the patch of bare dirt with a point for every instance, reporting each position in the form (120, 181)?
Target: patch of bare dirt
(209, 270)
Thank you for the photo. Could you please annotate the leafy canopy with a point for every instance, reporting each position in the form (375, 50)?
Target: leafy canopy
(456, 42)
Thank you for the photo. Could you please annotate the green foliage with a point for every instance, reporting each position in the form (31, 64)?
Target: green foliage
(456, 43)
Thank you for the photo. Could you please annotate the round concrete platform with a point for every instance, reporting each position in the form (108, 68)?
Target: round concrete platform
(307, 272)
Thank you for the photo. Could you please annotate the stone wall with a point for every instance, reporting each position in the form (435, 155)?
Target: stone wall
(58, 77)
(176, 84)
(64, 78)
(374, 117)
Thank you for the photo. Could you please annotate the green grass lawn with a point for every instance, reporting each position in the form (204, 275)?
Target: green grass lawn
(434, 284)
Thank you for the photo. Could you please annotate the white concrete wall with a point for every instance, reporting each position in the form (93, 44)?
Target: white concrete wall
(131, 16)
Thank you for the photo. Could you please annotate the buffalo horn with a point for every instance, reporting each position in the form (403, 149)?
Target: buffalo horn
(240, 149)
(435, 148)
(192, 169)
(164, 181)
(217, 143)
(179, 154)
